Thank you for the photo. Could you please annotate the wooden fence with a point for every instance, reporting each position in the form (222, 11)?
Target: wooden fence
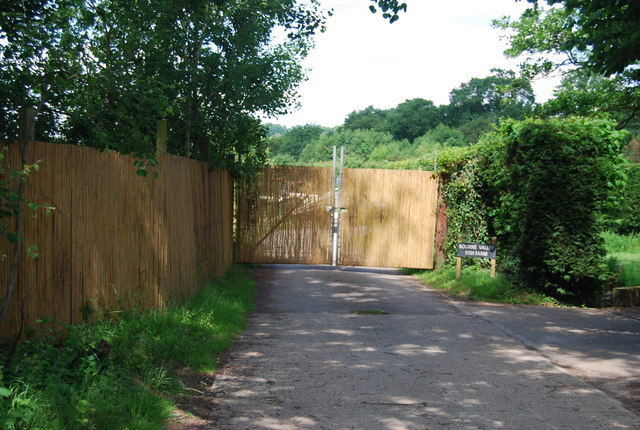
(116, 239)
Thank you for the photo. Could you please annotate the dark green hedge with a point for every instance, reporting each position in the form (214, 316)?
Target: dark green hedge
(542, 187)
(624, 214)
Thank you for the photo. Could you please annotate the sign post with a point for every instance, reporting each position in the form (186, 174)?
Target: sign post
(476, 250)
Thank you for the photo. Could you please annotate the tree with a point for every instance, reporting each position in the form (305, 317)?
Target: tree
(211, 67)
(294, 141)
(497, 96)
(607, 31)
(359, 144)
(412, 119)
(597, 36)
(585, 93)
(390, 9)
(369, 118)
(40, 60)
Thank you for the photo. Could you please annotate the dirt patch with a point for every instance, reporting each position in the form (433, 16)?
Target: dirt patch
(195, 407)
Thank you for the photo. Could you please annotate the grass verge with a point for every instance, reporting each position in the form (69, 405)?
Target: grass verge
(477, 285)
(623, 257)
(119, 373)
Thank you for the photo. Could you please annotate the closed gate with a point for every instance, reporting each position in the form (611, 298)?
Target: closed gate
(387, 217)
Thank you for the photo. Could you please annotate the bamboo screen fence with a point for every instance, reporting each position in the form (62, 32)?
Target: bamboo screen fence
(282, 216)
(117, 240)
(390, 218)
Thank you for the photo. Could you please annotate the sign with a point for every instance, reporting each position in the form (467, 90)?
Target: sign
(480, 250)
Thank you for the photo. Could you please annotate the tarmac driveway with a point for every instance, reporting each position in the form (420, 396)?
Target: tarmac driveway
(351, 348)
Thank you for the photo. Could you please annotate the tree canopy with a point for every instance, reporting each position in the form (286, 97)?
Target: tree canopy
(601, 35)
(101, 72)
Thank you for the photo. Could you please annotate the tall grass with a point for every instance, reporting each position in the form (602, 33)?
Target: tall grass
(116, 373)
(623, 257)
(617, 243)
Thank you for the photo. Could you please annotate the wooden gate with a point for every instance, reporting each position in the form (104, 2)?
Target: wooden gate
(387, 220)
(282, 216)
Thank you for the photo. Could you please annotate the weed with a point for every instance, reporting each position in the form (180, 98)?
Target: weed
(114, 374)
(476, 284)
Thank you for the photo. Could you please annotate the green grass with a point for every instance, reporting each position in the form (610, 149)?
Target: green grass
(477, 285)
(623, 258)
(119, 374)
(616, 243)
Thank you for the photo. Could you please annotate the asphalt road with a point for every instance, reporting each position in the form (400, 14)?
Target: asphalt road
(351, 348)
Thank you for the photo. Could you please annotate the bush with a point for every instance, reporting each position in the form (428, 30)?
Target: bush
(548, 198)
(623, 216)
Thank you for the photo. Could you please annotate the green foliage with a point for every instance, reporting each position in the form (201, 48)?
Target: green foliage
(621, 243)
(101, 73)
(623, 215)
(500, 95)
(118, 373)
(466, 211)
(359, 144)
(546, 204)
(369, 118)
(476, 284)
(606, 31)
(584, 93)
(390, 9)
(412, 119)
(441, 136)
(295, 140)
(623, 258)
(598, 38)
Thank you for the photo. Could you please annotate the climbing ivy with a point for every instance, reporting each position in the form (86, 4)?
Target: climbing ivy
(542, 187)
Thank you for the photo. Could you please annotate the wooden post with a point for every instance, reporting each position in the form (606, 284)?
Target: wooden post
(492, 272)
(441, 229)
(161, 135)
(459, 261)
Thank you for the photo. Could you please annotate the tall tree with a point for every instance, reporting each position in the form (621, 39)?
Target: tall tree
(295, 140)
(369, 118)
(41, 44)
(597, 36)
(211, 67)
(500, 95)
(412, 119)
(585, 93)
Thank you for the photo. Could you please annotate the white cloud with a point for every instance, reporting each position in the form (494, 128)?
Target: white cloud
(434, 47)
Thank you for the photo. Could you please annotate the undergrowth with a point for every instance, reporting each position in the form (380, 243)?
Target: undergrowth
(623, 257)
(117, 373)
(476, 284)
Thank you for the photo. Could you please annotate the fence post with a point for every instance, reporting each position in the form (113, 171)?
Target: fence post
(459, 261)
(492, 272)
(441, 228)
(161, 135)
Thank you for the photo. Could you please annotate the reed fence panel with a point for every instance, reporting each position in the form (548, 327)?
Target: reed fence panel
(390, 218)
(116, 240)
(282, 216)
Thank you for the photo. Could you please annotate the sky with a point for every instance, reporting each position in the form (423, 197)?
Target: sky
(362, 60)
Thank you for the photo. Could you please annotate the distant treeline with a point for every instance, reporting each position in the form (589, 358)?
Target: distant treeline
(411, 135)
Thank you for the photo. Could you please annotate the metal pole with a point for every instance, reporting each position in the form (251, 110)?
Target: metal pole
(334, 229)
(338, 206)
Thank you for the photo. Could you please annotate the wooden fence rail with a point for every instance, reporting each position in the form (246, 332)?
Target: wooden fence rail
(116, 239)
